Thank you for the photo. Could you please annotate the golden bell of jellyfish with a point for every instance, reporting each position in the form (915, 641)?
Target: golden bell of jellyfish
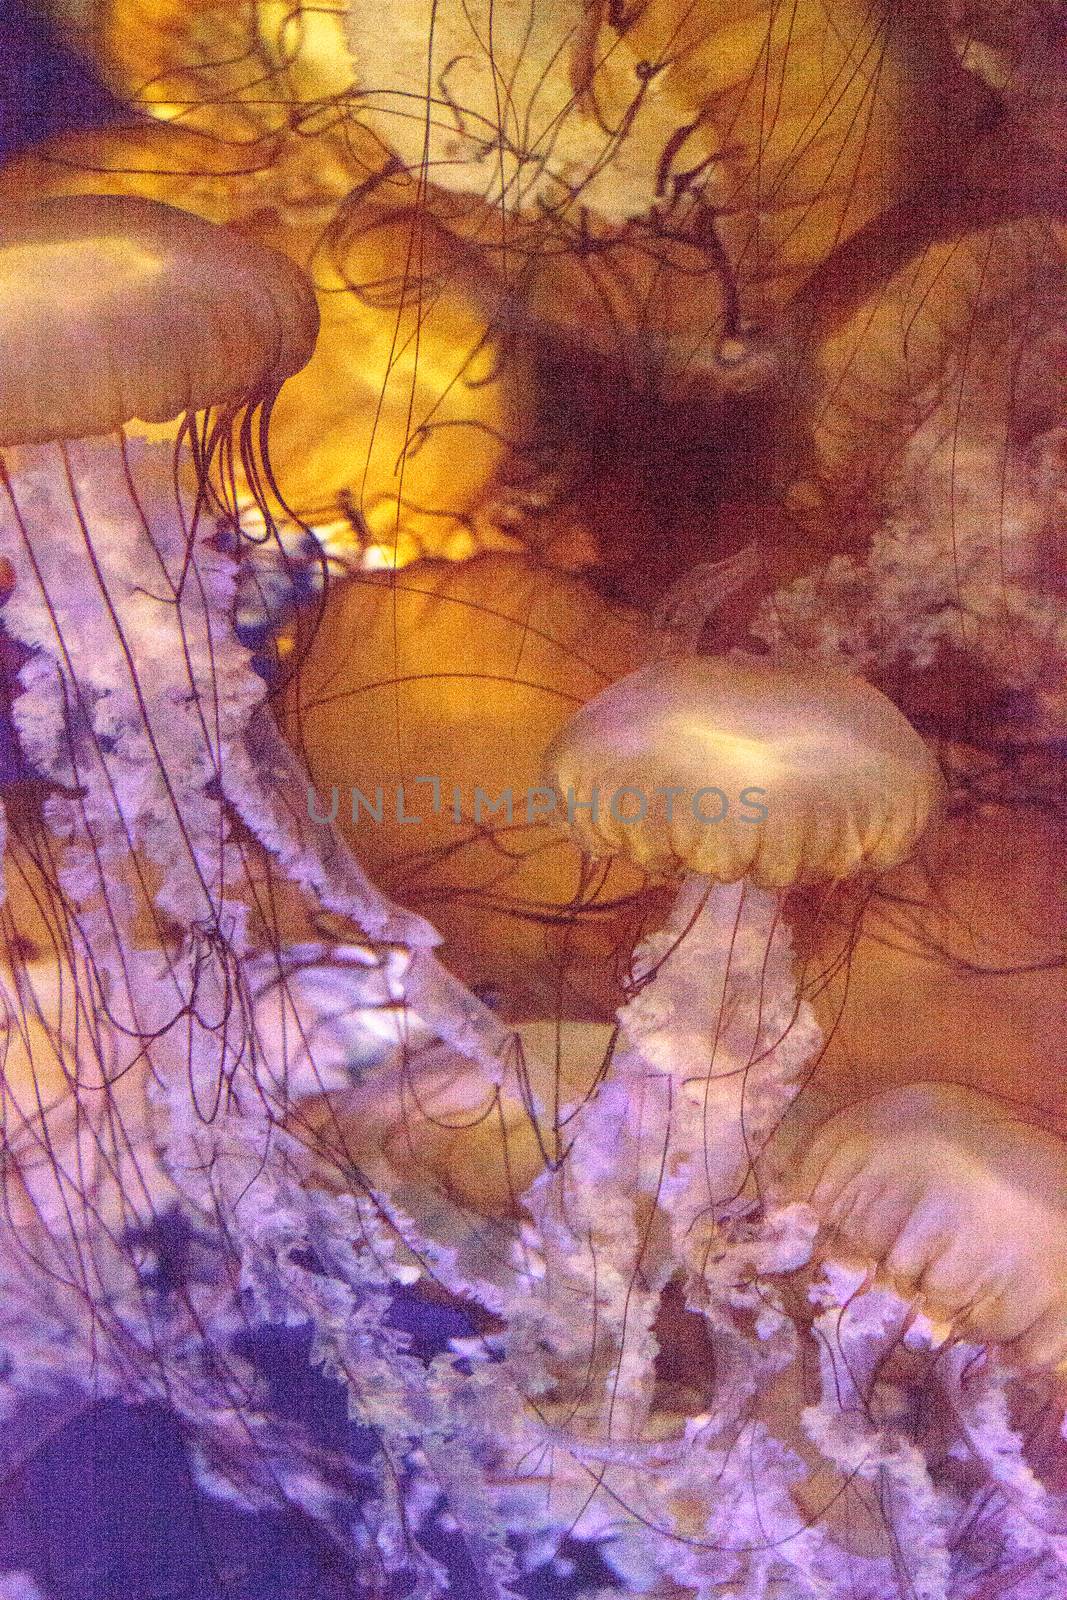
(122, 309)
(391, 442)
(750, 777)
(437, 1125)
(837, 780)
(936, 377)
(460, 676)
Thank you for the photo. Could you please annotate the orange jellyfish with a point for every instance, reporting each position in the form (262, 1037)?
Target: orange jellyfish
(430, 694)
(138, 271)
(261, 88)
(974, 927)
(396, 438)
(112, 310)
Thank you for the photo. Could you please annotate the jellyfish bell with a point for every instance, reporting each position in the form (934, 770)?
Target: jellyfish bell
(115, 310)
(118, 309)
(958, 1202)
(855, 125)
(433, 1124)
(462, 676)
(266, 84)
(844, 781)
(394, 440)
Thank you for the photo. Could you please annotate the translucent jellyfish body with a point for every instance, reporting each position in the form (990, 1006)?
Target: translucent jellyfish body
(425, 741)
(937, 419)
(838, 779)
(394, 440)
(140, 315)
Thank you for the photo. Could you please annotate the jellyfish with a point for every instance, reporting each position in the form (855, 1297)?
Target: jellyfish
(264, 88)
(463, 674)
(937, 419)
(972, 926)
(142, 326)
(124, 616)
(113, 310)
(955, 1200)
(408, 362)
(753, 777)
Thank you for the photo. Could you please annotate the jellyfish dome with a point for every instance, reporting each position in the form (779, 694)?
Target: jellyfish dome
(137, 299)
(778, 774)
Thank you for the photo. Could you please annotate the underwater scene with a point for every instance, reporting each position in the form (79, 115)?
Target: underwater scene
(533, 739)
